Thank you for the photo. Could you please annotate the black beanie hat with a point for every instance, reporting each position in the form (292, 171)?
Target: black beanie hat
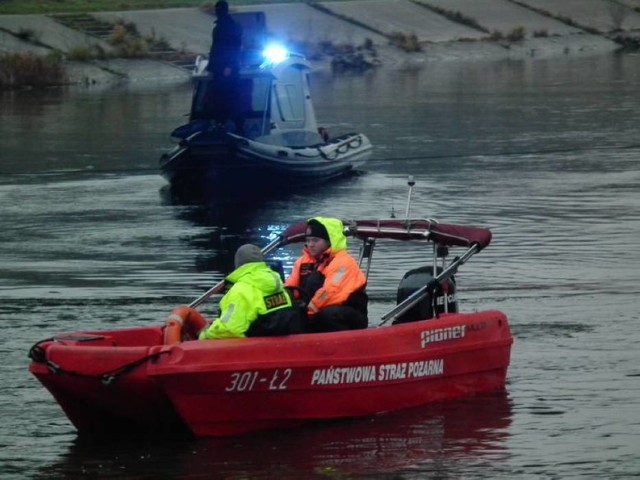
(316, 229)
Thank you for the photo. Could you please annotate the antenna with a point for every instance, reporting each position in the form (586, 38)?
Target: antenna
(411, 182)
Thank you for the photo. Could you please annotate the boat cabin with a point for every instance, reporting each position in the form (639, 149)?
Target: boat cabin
(270, 103)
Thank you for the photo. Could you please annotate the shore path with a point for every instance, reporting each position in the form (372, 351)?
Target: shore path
(189, 30)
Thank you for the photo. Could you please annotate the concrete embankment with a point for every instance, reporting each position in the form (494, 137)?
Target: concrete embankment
(550, 28)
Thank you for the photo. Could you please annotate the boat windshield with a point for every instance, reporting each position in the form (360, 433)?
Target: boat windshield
(260, 94)
(250, 100)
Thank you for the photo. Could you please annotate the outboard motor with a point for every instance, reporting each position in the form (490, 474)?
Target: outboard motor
(414, 280)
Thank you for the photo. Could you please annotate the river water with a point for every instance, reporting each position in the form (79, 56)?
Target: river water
(543, 152)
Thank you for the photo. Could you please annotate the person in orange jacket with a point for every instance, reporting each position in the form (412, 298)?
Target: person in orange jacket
(328, 280)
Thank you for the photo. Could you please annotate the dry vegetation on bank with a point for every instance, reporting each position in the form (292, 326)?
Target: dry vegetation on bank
(31, 70)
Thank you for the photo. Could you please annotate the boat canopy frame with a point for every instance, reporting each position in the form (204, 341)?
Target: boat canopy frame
(440, 235)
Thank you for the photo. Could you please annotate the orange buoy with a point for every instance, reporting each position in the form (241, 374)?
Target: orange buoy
(184, 323)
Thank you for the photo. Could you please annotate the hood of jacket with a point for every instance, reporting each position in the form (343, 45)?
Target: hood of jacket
(259, 275)
(335, 229)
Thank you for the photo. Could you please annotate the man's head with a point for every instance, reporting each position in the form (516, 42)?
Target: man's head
(248, 253)
(317, 238)
(222, 8)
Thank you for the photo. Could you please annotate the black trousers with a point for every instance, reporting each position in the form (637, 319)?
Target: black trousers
(338, 317)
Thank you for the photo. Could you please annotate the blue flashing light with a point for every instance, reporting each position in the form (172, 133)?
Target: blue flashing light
(275, 54)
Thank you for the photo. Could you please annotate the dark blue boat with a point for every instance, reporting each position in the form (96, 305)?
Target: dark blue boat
(271, 143)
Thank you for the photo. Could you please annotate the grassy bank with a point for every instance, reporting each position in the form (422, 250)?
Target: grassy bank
(21, 70)
(8, 7)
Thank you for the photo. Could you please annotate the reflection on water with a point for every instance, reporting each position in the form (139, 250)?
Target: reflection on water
(454, 437)
(545, 153)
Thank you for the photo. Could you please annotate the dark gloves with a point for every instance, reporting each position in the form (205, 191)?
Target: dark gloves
(312, 283)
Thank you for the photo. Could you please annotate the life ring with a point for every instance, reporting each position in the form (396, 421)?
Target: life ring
(184, 323)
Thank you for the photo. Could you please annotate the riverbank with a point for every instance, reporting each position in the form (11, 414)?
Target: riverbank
(444, 30)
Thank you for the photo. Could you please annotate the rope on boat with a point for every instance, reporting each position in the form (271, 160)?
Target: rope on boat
(38, 354)
(342, 148)
(108, 377)
(344, 145)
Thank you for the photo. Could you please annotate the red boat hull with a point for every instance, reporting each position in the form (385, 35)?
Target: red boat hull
(75, 369)
(128, 380)
(251, 384)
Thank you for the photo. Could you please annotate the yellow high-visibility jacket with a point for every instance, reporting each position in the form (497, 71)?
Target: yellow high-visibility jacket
(257, 290)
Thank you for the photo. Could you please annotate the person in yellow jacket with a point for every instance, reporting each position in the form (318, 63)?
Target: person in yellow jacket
(257, 303)
(328, 280)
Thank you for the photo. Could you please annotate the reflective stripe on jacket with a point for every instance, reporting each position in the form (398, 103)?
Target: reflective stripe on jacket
(257, 290)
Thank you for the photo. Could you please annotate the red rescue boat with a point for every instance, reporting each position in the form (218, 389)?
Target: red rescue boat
(423, 350)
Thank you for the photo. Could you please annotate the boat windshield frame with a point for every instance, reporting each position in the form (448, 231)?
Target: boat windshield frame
(440, 235)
